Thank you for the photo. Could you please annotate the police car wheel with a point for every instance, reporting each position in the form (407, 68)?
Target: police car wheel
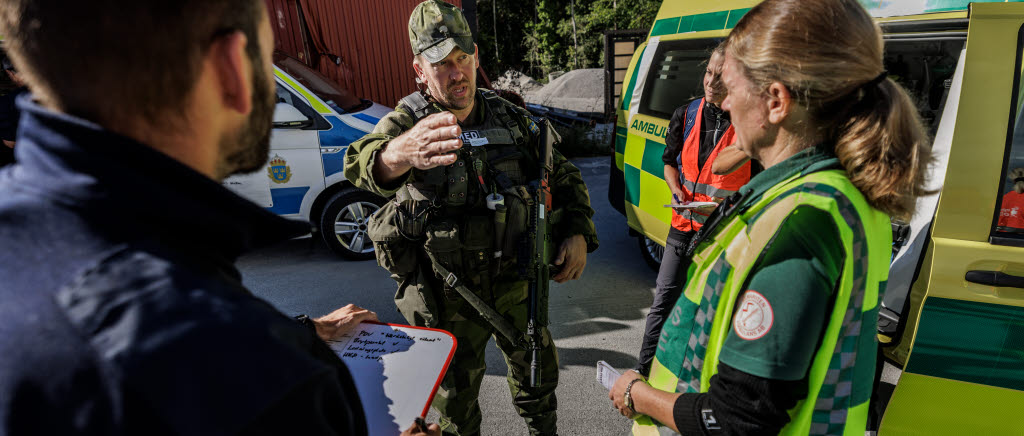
(343, 223)
(651, 251)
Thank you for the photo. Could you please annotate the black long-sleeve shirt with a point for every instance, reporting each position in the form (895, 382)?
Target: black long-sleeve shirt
(738, 404)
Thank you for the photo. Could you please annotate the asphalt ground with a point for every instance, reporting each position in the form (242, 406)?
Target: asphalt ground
(598, 317)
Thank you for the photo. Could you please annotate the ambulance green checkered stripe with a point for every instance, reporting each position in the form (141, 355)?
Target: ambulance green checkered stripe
(652, 159)
(627, 96)
(620, 144)
(632, 176)
(717, 20)
(697, 347)
(620, 139)
(834, 398)
(727, 19)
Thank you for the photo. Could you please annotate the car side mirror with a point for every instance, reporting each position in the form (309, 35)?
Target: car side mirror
(287, 116)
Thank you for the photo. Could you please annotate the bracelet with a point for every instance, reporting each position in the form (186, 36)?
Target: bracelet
(627, 398)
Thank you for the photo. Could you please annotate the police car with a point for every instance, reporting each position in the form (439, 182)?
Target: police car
(314, 122)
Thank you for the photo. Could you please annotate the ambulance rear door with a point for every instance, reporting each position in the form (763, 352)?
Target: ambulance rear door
(965, 371)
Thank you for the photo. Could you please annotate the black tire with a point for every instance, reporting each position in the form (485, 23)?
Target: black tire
(343, 223)
(651, 251)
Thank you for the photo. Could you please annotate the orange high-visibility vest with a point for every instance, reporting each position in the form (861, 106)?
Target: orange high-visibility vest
(700, 184)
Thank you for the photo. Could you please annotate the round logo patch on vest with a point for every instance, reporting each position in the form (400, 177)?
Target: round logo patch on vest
(753, 317)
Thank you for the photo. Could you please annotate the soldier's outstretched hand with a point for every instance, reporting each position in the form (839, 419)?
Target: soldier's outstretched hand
(341, 321)
(572, 258)
(426, 145)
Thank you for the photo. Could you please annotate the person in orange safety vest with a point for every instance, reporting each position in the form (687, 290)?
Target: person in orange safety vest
(700, 136)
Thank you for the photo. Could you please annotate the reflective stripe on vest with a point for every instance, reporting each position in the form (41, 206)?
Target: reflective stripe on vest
(700, 184)
(841, 372)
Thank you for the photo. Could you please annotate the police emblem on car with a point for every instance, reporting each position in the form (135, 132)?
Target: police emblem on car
(278, 170)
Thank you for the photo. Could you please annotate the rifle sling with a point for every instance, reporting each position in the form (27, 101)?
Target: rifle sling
(492, 316)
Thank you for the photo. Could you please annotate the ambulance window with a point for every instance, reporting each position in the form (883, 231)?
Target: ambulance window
(925, 69)
(286, 96)
(1009, 226)
(676, 76)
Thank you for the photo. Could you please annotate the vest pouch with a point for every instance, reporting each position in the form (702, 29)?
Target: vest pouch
(394, 252)
(411, 218)
(509, 164)
(517, 220)
(477, 240)
(444, 246)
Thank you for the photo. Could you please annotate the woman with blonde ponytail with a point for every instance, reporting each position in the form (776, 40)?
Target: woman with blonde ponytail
(774, 333)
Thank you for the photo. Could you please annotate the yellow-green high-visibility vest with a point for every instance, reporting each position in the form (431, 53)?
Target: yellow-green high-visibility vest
(841, 373)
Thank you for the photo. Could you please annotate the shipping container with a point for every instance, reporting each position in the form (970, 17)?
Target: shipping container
(362, 45)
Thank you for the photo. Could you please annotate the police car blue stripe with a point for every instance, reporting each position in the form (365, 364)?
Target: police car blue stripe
(287, 200)
(333, 163)
(367, 118)
(340, 135)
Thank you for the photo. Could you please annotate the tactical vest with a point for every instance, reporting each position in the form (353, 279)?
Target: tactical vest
(444, 209)
(841, 373)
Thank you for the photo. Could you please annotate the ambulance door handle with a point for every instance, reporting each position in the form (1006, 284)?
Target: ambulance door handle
(995, 278)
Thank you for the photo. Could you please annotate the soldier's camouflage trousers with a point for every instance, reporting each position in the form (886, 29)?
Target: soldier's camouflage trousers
(457, 397)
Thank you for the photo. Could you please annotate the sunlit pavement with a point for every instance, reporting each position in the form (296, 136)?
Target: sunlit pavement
(598, 317)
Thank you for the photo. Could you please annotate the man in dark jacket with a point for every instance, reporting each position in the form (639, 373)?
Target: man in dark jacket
(122, 312)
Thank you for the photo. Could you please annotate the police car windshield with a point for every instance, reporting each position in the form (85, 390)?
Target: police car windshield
(336, 96)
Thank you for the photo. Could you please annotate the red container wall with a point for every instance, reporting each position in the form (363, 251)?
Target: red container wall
(284, 20)
(371, 38)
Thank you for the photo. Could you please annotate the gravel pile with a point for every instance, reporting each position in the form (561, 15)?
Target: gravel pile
(579, 91)
(516, 82)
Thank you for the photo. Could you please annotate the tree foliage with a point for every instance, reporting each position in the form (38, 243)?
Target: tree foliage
(538, 37)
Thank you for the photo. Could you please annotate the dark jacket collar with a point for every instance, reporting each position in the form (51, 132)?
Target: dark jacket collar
(711, 110)
(131, 187)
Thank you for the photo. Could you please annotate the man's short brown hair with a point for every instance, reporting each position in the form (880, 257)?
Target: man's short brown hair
(120, 60)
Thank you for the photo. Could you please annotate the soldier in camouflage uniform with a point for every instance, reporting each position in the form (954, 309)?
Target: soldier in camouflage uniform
(441, 155)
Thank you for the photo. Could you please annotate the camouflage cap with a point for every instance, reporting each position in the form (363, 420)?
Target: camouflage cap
(436, 28)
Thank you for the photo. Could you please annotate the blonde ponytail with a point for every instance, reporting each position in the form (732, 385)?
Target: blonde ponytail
(885, 149)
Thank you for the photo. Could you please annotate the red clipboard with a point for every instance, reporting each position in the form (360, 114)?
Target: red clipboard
(397, 370)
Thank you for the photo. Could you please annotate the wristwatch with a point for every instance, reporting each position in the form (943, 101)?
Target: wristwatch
(627, 398)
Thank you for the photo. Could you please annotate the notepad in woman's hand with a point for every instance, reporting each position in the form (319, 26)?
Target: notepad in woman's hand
(606, 375)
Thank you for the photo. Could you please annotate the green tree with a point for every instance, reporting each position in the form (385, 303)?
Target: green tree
(539, 36)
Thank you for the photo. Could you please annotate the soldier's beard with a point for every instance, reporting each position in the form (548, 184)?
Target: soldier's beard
(449, 100)
(247, 150)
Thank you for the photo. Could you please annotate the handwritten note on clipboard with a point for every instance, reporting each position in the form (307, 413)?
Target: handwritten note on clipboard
(397, 369)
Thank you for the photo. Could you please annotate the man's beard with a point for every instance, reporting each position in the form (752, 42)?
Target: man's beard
(449, 98)
(248, 149)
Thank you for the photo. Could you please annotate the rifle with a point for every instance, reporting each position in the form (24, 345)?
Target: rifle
(538, 271)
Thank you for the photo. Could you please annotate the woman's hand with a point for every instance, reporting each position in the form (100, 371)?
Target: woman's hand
(618, 393)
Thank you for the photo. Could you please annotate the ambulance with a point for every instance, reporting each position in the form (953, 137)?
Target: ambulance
(952, 317)
(314, 122)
